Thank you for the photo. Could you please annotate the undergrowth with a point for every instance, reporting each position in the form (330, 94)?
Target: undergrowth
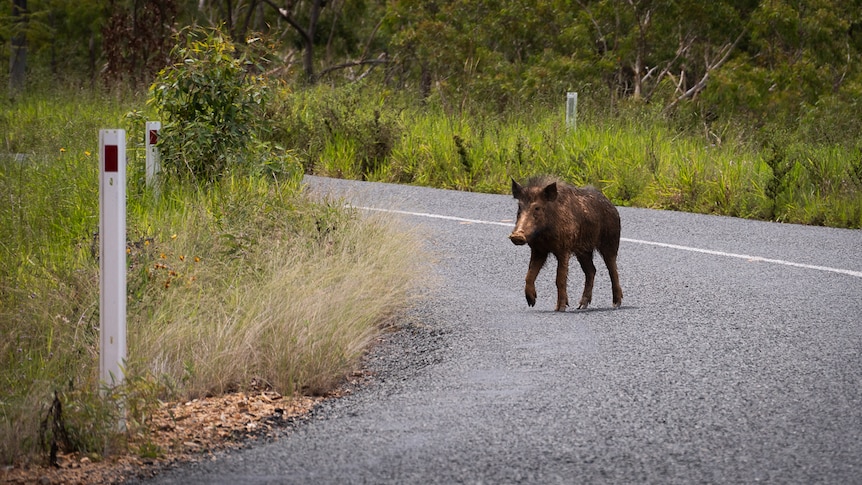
(241, 281)
(637, 156)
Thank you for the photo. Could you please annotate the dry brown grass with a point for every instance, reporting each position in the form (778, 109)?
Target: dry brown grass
(295, 314)
(247, 284)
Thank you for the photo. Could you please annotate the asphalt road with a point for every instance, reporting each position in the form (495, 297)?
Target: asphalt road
(735, 358)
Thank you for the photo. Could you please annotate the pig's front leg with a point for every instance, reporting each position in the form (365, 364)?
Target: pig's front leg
(537, 260)
(562, 280)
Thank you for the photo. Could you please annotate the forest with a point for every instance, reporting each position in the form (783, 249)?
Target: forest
(786, 63)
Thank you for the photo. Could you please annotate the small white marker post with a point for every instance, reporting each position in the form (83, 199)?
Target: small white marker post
(153, 165)
(572, 110)
(112, 255)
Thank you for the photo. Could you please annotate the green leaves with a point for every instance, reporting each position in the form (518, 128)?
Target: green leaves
(212, 107)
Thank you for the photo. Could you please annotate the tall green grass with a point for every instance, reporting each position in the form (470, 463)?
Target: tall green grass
(637, 157)
(244, 281)
(48, 284)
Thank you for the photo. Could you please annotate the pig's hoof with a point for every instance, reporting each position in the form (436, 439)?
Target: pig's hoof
(531, 297)
(585, 302)
(562, 304)
(618, 298)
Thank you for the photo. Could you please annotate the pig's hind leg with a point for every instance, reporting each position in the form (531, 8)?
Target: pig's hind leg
(586, 261)
(611, 263)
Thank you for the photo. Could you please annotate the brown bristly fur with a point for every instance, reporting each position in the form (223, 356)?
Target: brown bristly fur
(560, 219)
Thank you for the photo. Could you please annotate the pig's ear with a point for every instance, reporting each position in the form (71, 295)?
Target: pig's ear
(517, 190)
(550, 192)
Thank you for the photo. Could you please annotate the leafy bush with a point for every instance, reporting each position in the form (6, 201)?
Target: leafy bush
(212, 104)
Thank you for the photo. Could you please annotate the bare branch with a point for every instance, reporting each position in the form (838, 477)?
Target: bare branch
(602, 38)
(370, 38)
(381, 59)
(700, 85)
(284, 14)
(684, 46)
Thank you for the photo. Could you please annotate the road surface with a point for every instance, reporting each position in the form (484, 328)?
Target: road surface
(735, 358)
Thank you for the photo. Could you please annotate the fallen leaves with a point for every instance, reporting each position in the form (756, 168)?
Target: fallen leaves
(199, 423)
(178, 431)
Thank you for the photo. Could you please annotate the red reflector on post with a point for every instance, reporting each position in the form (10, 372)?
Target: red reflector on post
(154, 136)
(111, 157)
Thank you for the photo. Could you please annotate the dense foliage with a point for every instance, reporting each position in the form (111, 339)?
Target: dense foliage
(212, 109)
(766, 62)
(762, 62)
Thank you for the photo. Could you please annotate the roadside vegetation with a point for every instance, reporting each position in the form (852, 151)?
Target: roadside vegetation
(636, 155)
(237, 278)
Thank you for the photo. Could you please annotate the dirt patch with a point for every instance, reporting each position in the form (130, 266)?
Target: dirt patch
(180, 432)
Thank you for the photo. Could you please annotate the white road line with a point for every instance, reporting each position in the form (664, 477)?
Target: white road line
(435, 216)
(857, 274)
(760, 259)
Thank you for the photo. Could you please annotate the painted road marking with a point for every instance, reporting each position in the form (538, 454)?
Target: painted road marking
(857, 274)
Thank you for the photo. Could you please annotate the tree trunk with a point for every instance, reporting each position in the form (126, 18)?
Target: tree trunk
(307, 34)
(18, 50)
(308, 58)
(91, 64)
(641, 48)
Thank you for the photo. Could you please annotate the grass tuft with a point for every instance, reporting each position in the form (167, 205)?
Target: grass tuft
(292, 308)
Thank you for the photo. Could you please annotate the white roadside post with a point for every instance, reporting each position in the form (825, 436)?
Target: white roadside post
(153, 164)
(112, 255)
(572, 110)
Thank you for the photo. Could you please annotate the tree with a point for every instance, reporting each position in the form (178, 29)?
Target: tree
(309, 34)
(306, 33)
(18, 47)
(654, 42)
(137, 39)
(469, 50)
(798, 57)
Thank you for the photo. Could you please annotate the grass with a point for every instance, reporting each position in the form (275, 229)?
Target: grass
(243, 282)
(48, 290)
(267, 289)
(637, 157)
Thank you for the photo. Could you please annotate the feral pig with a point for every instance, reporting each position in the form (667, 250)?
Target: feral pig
(557, 218)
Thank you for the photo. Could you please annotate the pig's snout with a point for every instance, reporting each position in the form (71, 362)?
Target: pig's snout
(518, 238)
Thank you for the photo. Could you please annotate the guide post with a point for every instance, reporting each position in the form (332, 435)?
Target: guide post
(112, 255)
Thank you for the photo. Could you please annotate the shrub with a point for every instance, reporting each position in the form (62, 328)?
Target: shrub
(211, 106)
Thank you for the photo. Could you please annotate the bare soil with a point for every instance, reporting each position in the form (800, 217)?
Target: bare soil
(180, 432)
